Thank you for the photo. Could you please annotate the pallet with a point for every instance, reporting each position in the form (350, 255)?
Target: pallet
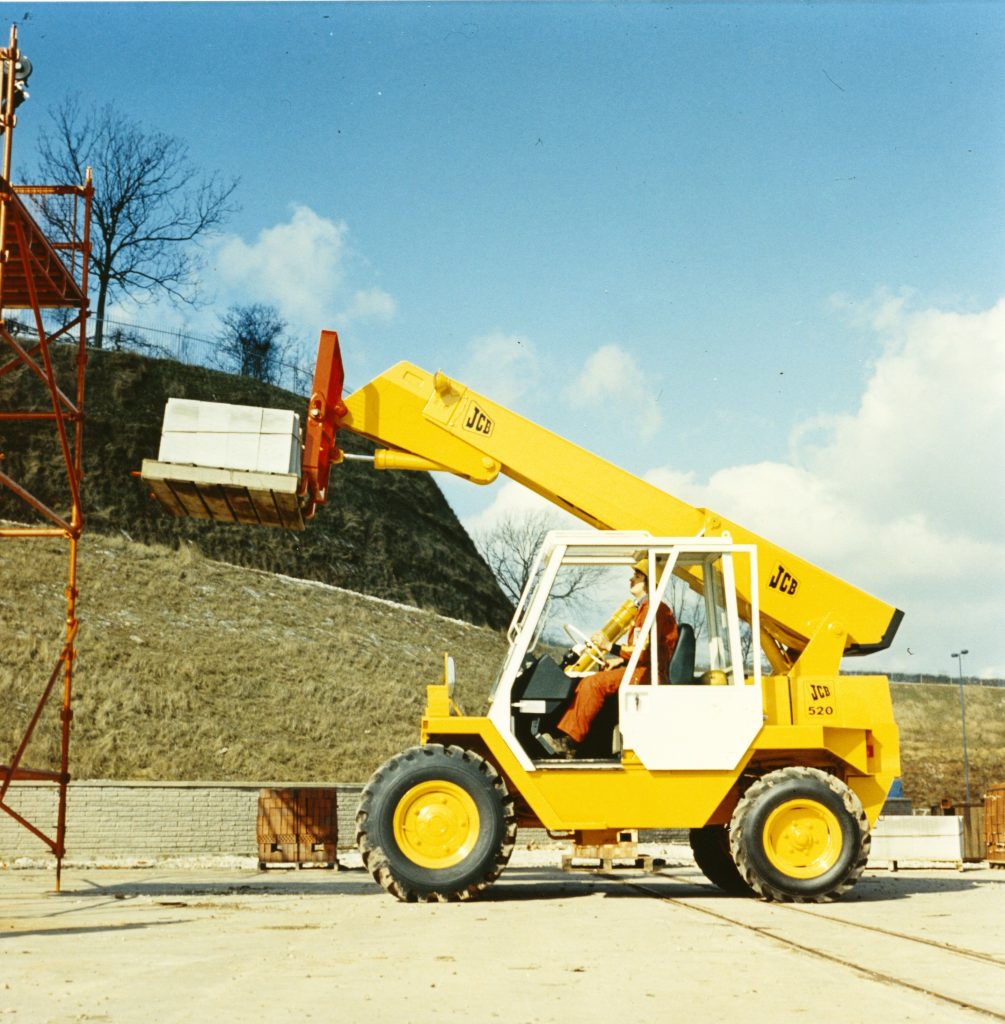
(225, 495)
(327, 865)
(609, 850)
(642, 862)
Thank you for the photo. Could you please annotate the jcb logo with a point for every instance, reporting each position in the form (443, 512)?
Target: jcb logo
(783, 581)
(478, 421)
(819, 692)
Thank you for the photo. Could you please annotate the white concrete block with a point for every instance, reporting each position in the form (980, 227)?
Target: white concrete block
(238, 437)
(241, 452)
(918, 838)
(240, 419)
(919, 825)
(278, 453)
(186, 414)
(181, 414)
(173, 448)
(185, 446)
(279, 421)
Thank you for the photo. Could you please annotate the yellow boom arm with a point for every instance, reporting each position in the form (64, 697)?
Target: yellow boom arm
(428, 421)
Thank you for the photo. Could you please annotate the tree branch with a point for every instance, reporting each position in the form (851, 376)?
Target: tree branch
(151, 206)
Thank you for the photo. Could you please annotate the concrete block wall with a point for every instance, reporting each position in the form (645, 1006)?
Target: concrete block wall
(150, 819)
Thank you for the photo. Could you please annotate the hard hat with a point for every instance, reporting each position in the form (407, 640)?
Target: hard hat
(642, 564)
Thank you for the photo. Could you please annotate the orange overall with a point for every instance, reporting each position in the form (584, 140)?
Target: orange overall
(594, 690)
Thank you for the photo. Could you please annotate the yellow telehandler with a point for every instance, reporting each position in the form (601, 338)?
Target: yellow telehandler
(750, 737)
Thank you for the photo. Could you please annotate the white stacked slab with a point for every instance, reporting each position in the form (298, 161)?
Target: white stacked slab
(226, 436)
(228, 463)
(922, 838)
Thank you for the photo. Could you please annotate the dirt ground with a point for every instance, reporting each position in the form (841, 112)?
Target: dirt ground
(168, 944)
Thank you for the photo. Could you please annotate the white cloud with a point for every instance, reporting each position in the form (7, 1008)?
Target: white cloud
(303, 266)
(370, 304)
(611, 379)
(298, 267)
(503, 367)
(904, 496)
(928, 433)
(513, 499)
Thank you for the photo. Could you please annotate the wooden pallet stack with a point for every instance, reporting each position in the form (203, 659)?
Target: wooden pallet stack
(606, 850)
(297, 827)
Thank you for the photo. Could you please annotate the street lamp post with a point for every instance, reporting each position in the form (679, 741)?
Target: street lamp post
(963, 718)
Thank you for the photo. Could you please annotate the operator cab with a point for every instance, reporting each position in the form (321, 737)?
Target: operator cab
(579, 587)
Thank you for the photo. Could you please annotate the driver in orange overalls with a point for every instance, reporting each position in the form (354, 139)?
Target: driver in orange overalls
(593, 690)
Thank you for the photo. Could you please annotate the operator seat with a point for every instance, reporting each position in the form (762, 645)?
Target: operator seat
(682, 660)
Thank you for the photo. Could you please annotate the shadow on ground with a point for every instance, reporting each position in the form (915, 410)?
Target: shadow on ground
(517, 884)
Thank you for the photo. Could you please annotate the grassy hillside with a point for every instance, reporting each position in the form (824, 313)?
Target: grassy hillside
(391, 535)
(193, 669)
(932, 740)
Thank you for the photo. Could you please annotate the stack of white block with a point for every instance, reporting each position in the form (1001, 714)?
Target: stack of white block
(918, 838)
(222, 436)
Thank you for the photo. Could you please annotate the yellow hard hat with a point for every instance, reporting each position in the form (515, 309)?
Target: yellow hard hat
(642, 564)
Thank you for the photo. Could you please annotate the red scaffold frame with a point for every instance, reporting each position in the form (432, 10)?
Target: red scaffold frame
(41, 273)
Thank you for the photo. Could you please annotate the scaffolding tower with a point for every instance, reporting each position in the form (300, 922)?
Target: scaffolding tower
(44, 275)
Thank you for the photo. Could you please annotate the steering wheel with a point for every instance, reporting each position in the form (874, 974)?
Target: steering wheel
(578, 636)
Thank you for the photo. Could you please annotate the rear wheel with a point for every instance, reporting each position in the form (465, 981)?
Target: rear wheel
(435, 823)
(710, 846)
(800, 834)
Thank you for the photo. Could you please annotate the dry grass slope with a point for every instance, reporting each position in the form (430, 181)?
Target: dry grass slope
(194, 669)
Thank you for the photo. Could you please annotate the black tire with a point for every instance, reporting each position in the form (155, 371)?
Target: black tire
(799, 834)
(435, 823)
(710, 846)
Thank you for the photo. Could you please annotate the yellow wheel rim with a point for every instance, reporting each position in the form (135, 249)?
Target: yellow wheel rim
(436, 824)
(802, 838)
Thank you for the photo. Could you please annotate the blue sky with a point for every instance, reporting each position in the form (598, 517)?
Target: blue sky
(755, 252)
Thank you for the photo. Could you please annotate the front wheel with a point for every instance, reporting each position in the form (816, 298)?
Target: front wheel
(435, 823)
(799, 834)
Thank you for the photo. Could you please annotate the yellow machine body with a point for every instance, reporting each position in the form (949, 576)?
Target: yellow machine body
(809, 619)
(860, 739)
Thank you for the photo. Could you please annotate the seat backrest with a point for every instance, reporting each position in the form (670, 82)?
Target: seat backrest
(682, 659)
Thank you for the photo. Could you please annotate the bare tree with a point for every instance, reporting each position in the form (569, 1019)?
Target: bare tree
(512, 544)
(687, 606)
(150, 204)
(253, 342)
